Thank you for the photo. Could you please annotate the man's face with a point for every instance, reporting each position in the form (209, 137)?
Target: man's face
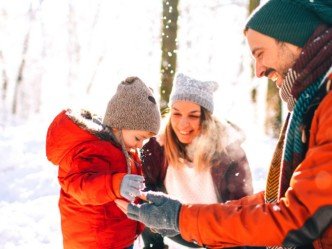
(272, 58)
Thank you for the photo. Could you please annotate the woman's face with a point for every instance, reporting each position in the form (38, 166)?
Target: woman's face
(186, 120)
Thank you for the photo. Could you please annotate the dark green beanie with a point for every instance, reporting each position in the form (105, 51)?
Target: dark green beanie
(292, 21)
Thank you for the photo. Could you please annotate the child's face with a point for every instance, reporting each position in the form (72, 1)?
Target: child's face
(133, 139)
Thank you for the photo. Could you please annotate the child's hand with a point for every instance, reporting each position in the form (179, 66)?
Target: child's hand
(131, 186)
(123, 205)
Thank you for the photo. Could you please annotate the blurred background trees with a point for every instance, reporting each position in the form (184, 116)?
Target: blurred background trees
(273, 109)
(58, 54)
(168, 50)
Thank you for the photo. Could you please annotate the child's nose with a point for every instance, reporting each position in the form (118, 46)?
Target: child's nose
(139, 144)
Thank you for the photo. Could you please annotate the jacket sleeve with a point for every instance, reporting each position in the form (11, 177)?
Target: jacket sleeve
(299, 217)
(238, 176)
(257, 198)
(153, 164)
(90, 179)
(152, 156)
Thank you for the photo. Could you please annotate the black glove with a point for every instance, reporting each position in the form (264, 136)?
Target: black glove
(160, 213)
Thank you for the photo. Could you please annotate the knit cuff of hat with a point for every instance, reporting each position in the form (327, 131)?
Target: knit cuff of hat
(206, 103)
(284, 20)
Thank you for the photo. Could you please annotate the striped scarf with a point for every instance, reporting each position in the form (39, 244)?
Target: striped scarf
(300, 89)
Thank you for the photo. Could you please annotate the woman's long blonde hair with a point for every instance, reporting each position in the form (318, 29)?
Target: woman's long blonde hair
(204, 150)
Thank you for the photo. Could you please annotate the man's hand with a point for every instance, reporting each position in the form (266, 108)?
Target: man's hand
(131, 186)
(159, 212)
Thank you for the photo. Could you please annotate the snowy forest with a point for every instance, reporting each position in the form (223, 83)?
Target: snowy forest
(73, 54)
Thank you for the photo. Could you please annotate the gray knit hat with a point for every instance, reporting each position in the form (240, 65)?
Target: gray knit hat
(189, 89)
(292, 21)
(133, 107)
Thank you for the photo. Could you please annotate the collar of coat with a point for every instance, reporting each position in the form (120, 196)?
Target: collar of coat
(93, 124)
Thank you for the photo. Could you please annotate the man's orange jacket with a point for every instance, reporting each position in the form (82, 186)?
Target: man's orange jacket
(304, 214)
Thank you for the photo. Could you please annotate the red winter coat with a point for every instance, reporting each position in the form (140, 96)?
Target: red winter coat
(91, 168)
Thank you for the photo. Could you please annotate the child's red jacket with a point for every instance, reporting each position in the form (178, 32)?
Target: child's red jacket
(91, 168)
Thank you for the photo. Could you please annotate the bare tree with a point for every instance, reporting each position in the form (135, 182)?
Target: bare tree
(253, 4)
(101, 56)
(21, 68)
(273, 112)
(4, 79)
(169, 47)
(74, 48)
(91, 81)
(4, 74)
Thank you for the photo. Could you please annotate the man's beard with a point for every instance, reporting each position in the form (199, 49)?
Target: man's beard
(283, 70)
(289, 59)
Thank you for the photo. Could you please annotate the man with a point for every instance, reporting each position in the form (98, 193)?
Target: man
(291, 41)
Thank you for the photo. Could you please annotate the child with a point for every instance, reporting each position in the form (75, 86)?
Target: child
(98, 163)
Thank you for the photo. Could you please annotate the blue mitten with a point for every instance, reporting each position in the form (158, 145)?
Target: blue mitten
(131, 186)
(160, 213)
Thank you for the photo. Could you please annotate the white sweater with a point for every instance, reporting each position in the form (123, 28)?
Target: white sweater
(190, 186)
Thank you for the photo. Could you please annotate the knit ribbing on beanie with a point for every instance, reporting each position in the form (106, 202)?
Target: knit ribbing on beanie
(285, 20)
(196, 98)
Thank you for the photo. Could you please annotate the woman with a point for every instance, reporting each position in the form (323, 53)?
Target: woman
(197, 159)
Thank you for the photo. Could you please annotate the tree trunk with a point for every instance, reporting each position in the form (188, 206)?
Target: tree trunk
(19, 77)
(273, 114)
(4, 79)
(169, 46)
(73, 48)
(253, 4)
(90, 84)
(101, 57)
